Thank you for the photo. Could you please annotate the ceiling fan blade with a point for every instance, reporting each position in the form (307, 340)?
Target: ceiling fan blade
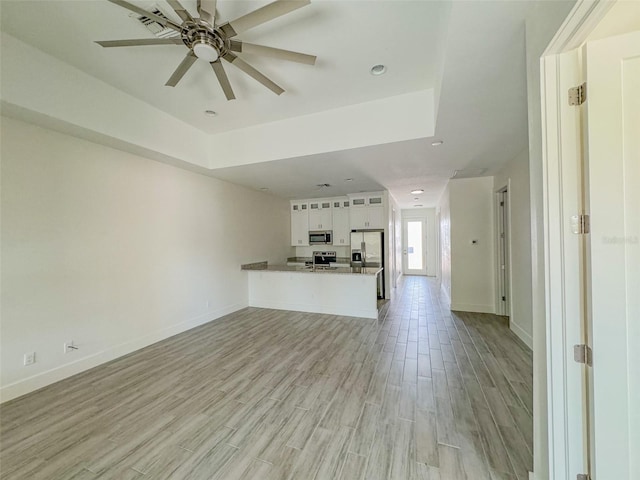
(261, 15)
(139, 42)
(181, 70)
(207, 11)
(156, 18)
(223, 79)
(253, 73)
(180, 10)
(288, 55)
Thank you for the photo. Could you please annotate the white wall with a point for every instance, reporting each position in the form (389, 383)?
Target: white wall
(115, 251)
(429, 216)
(472, 265)
(542, 22)
(516, 174)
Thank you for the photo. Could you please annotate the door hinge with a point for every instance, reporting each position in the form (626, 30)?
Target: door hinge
(583, 476)
(578, 95)
(580, 224)
(582, 354)
(504, 299)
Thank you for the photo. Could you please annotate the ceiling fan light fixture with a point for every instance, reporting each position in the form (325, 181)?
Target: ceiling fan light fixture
(205, 51)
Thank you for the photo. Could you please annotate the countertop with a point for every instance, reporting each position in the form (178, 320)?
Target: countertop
(339, 270)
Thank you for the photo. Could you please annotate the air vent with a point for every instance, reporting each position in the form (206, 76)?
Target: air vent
(469, 173)
(323, 185)
(154, 27)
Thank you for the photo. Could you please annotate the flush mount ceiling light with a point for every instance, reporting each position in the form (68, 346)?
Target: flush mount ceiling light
(417, 191)
(210, 113)
(437, 143)
(378, 70)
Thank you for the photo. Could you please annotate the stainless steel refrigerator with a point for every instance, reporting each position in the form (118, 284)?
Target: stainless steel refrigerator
(370, 243)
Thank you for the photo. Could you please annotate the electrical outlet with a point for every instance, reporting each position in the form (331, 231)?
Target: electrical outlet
(70, 347)
(29, 358)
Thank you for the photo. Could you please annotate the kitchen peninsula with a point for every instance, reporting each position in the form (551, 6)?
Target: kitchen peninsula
(349, 291)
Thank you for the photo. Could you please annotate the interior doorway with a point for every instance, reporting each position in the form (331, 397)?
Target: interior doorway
(503, 257)
(414, 248)
(590, 123)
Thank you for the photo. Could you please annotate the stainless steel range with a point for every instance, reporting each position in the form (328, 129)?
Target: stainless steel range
(324, 259)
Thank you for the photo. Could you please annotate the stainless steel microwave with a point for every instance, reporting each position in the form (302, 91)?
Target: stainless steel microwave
(322, 237)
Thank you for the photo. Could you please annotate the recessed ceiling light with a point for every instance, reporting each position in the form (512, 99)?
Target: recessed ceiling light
(348, 179)
(437, 143)
(210, 113)
(264, 189)
(418, 191)
(378, 69)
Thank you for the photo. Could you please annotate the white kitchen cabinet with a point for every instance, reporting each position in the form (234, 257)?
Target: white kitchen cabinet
(341, 225)
(367, 212)
(299, 224)
(320, 217)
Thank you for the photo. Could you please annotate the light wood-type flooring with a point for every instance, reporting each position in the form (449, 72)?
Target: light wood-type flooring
(421, 393)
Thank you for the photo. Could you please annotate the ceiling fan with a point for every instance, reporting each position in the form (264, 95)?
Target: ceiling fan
(211, 41)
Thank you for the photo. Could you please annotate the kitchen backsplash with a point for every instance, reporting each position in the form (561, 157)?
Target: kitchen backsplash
(341, 251)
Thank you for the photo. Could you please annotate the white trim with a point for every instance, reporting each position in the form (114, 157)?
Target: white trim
(496, 206)
(560, 142)
(522, 334)
(582, 19)
(470, 307)
(30, 384)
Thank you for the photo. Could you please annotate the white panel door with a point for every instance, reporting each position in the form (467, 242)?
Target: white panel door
(613, 106)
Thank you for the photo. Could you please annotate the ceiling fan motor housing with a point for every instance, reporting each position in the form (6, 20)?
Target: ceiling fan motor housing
(206, 44)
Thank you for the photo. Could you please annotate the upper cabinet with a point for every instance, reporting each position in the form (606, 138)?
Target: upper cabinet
(320, 217)
(341, 226)
(367, 211)
(299, 224)
(339, 214)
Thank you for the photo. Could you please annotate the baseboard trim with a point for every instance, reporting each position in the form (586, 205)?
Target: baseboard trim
(522, 334)
(469, 307)
(43, 379)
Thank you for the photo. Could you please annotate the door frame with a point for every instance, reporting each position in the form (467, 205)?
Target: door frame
(561, 297)
(405, 258)
(506, 308)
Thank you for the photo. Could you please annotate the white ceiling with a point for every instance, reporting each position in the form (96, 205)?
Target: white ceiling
(471, 52)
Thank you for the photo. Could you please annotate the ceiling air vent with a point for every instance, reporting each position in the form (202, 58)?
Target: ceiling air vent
(154, 27)
(469, 173)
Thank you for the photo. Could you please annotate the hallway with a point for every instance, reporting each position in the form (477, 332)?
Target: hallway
(264, 394)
